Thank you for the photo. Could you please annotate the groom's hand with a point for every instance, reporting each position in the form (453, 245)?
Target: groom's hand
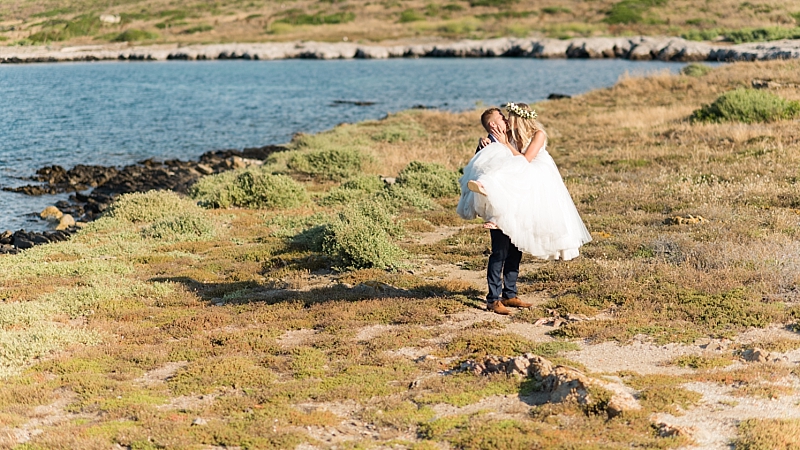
(483, 142)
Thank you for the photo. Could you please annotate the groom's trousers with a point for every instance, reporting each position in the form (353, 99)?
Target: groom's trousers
(503, 267)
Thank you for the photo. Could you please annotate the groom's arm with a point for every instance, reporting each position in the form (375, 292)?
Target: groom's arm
(484, 141)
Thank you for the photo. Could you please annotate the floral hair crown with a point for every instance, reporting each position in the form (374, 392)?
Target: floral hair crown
(524, 113)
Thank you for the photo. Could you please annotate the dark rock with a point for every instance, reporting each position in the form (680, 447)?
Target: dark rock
(558, 96)
(22, 242)
(40, 239)
(353, 102)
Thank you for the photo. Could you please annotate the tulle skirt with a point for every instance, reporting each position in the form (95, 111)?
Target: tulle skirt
(527, 200)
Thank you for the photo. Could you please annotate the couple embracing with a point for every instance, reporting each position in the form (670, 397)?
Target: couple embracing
(514, 185)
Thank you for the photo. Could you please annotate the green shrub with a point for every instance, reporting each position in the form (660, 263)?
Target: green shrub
(342, 196)
(356, 241)
(381, 213)
(249, 188)
(311, 238)
(406, 196)
(556, 10)
(748, 106)
(702, 35)
(126, 18)
(492, 3)
(183, 227)
(410, 15)
(507, 15)
(696, 70)
(134, 35)
(148, 207)
(761, 34)
(353, 190)
(398, 132)
(455, 7)
(198, 29)
(431, 179)
(329, 164)
(61, 30)
(630, 11)
(298, 17)
(743, 34)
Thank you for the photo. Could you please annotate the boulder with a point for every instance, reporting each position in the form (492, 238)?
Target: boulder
(51, 213)
(646, 48)
(372, 52)
(756, 355)
(22, 240)
(324, 50)
(685, 51)
(563, 383)
(550, 48)
(599, 48)
(66, 221)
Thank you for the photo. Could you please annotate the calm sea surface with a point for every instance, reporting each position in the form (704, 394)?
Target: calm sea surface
(118, 113)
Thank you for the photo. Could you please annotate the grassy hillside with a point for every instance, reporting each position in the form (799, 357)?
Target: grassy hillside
(323, 308)
(77, 22)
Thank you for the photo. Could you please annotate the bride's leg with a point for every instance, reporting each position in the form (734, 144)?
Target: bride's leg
(476, 186)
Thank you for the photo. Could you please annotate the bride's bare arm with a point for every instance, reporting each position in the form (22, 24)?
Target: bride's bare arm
(536, 144)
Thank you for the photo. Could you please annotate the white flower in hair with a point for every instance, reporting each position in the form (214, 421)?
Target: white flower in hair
(524, 113)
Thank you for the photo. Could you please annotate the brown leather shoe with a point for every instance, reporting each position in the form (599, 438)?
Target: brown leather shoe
(497, 307)
(516, 303)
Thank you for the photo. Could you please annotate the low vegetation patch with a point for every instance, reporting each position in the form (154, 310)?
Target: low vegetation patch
(134, 35)
(249, 188)
(702, 362)
(748, 106)
(298, 17)
(62, 30)
(329, 164)
(764, 434)
(359, 239)
(430, 178)
(630, 11)
(696, 70)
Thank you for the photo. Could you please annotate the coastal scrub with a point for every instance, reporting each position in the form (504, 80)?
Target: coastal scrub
(249, 188)
(748, 106)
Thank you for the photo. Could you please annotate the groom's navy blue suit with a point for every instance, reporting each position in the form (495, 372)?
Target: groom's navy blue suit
(503, 269)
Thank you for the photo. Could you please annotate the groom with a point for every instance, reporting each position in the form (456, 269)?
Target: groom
(503, 269)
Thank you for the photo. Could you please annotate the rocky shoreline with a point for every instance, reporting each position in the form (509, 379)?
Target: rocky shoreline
(633, 48)
(107, 183)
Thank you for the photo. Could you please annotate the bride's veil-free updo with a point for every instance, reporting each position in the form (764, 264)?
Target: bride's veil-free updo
(521, 130)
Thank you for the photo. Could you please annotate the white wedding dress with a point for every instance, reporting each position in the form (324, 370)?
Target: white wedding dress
(528, 201)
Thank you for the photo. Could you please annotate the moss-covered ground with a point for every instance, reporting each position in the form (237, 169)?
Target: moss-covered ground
(169, 325)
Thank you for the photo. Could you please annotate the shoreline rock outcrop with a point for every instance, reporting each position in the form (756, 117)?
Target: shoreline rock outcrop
(638, 48)
(107, 183)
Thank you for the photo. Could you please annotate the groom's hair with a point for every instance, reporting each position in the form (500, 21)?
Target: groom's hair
(485, 117)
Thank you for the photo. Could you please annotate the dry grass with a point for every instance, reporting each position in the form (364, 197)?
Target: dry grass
(234, 21)
(123, 338)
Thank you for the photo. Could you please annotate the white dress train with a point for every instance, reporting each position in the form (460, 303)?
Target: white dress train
(527, 200)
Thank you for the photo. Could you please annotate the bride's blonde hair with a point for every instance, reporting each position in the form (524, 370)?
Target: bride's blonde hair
(521, 130)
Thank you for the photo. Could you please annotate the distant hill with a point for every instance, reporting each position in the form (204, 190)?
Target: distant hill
(88, 21)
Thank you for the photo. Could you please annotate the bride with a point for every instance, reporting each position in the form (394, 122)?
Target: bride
(521, 191)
